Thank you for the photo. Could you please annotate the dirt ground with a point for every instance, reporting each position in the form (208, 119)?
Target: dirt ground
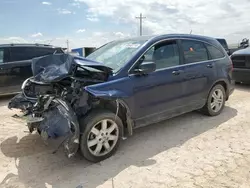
(188, 151)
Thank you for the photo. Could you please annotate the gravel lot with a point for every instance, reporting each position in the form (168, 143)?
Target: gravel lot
(188, 151)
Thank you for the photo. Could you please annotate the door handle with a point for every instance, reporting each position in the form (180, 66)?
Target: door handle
(210, 66)
(177, 72)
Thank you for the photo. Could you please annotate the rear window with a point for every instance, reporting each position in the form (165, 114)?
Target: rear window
(1, 55)
(27, 53)
(223, 43)
(194, 51)
(214, 52)
(4, 55)
(46, 51)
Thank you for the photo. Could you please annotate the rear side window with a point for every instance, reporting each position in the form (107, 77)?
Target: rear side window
(214, 52)
(27, 53)
(194, 51)
(21, 53)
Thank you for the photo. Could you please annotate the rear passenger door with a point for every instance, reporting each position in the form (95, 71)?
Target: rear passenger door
(200, 72)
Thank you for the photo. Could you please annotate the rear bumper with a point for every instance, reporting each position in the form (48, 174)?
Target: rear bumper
(231, 88)
(241, 75)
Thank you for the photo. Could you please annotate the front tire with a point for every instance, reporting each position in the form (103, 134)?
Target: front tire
(215, 101)
(101, 135)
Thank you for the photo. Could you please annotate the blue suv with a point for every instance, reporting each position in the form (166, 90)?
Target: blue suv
(95, 101)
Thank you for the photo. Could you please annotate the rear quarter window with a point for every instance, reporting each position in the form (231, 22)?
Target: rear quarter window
(214, 52)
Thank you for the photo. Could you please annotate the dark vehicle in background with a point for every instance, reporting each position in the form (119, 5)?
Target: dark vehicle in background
(242, 45)
(241, 64)
(85, 51)
(96, 101)
(224, 44)
(15, 64)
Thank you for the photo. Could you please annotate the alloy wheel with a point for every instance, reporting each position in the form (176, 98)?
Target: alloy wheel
(103, 137)
(217, 100)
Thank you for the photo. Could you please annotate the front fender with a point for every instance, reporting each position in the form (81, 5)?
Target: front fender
(115, 95)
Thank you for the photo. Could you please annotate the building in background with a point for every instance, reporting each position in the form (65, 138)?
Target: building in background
(84, 51)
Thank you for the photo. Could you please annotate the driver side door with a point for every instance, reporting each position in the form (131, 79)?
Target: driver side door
(158, 95)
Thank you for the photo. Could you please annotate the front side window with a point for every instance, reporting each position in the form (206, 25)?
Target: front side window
(1, 55)
(164, 55)
(194, 51)
(116, 54)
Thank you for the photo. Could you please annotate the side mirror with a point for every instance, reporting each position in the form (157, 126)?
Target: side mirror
(145, 68)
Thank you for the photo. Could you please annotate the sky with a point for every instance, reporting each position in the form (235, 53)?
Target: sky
(95, 22)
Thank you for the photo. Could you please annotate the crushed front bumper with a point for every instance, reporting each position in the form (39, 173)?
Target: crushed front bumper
(53, 118)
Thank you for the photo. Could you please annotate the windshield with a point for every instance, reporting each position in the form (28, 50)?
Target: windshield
(116, 54)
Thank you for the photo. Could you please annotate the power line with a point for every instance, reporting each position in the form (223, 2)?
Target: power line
(140, 17)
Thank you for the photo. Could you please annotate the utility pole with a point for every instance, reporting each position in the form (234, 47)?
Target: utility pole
(49, 41)
(67, 45)
(140, 22)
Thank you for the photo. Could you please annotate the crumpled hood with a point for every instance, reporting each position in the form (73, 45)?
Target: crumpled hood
(53, 68)
(94, 64)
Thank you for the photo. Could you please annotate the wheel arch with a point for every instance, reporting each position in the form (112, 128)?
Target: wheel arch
(224, 83)
(118, 107)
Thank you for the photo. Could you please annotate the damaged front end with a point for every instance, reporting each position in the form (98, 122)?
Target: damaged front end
(54, 98)
(53, 118)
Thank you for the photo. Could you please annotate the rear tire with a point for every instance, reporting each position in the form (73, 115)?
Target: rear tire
(215, 101)
(101, 135)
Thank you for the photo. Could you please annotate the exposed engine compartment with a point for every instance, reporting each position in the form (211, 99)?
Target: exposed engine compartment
(69, 90)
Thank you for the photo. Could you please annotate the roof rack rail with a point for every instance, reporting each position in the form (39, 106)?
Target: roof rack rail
(23, 44)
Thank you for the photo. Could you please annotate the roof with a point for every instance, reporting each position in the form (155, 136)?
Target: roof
(163, 36)
(28, 45)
